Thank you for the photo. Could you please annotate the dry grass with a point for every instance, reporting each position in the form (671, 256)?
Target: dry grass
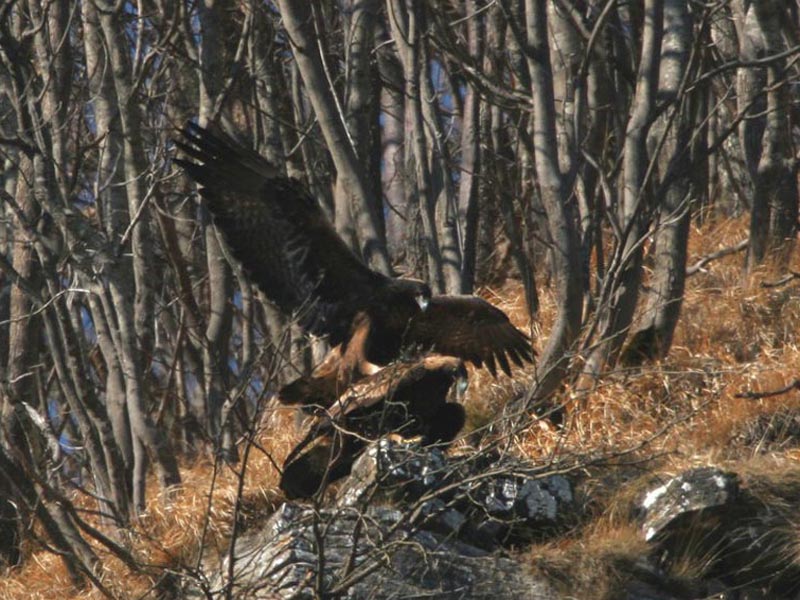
(734, 336)
(169, 535)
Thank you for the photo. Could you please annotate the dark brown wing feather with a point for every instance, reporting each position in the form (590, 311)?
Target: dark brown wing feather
(333, 441)
(279, 234)
(362, 395)
(472, 329)
(370, 392)
(376, 388)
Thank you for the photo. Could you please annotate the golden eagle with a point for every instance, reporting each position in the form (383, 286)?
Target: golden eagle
(409, 397)
(291, 251)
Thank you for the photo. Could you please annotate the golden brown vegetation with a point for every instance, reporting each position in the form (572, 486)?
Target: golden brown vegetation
(643, 424)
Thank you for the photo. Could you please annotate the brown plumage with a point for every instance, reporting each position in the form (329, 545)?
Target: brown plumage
(406, 397)
(292, 252)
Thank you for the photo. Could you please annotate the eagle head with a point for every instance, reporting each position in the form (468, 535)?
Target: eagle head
(452, 368)
(414, 289)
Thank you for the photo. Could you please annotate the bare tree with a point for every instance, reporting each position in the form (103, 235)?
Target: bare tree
(773, 222)
(299, 19)
(676, 190)
(554, 190)
(462, 143)
(621, 289)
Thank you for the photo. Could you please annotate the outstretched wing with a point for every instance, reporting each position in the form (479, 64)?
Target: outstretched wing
(472, 329)
(279, 234)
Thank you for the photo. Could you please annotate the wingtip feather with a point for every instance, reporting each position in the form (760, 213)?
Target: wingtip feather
(501, 358)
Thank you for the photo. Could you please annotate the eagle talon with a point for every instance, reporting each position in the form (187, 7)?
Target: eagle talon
(398, 438)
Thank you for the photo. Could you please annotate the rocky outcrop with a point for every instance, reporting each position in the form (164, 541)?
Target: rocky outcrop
(344, 552)
(408, 522)
(489, 500)
(704, 521)
(413, 522)
(697, 493)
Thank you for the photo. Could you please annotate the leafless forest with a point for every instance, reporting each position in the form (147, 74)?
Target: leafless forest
(589, 157)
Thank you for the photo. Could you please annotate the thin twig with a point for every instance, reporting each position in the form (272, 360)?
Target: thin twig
(795, 385)
(782, 281)
(698, 266)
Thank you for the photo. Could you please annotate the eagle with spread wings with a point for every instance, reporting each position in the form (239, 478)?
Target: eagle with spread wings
(290, 250)
(408, 397)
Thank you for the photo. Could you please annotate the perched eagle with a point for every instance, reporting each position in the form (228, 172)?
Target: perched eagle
(409, 397)
(291, 251)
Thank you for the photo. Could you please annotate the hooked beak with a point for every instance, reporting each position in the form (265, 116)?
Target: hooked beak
(422, 301)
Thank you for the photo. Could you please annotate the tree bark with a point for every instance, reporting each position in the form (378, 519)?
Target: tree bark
(214, 48)
(773, 223)
(470, 153)
(405, 19)
(134, 164)
(113, 211)
(554, 362)
(362, 100)
(664, 295)
(22, 355)
(624, 278)
(298, 20)
(394, 193)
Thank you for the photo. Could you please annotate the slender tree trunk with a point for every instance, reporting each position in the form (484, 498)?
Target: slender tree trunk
(470, 152)
(115, 384)
(773, 223)
(750, 82)
(213, 51)
(361, 100)
(554, 363)
(298, 20)
(393, 108)
(54, 62)
(664, 295)
(404, 18)
(622, 287)
(393, 140)
(443, 193)
(136, 336)
(22, 355)
(112, 205)
(528, 193)
(134, 165)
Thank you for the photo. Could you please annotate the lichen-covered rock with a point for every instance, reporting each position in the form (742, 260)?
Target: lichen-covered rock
(540, 500)
(396, 465)
(486, 501)
(700, 489)
(373, 554)
(703, 520)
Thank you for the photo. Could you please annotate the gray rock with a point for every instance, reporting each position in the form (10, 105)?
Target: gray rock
(702, 520)
(376, 554)
(510, 503)
(697, 490)
(536, 500)
(398, 465)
